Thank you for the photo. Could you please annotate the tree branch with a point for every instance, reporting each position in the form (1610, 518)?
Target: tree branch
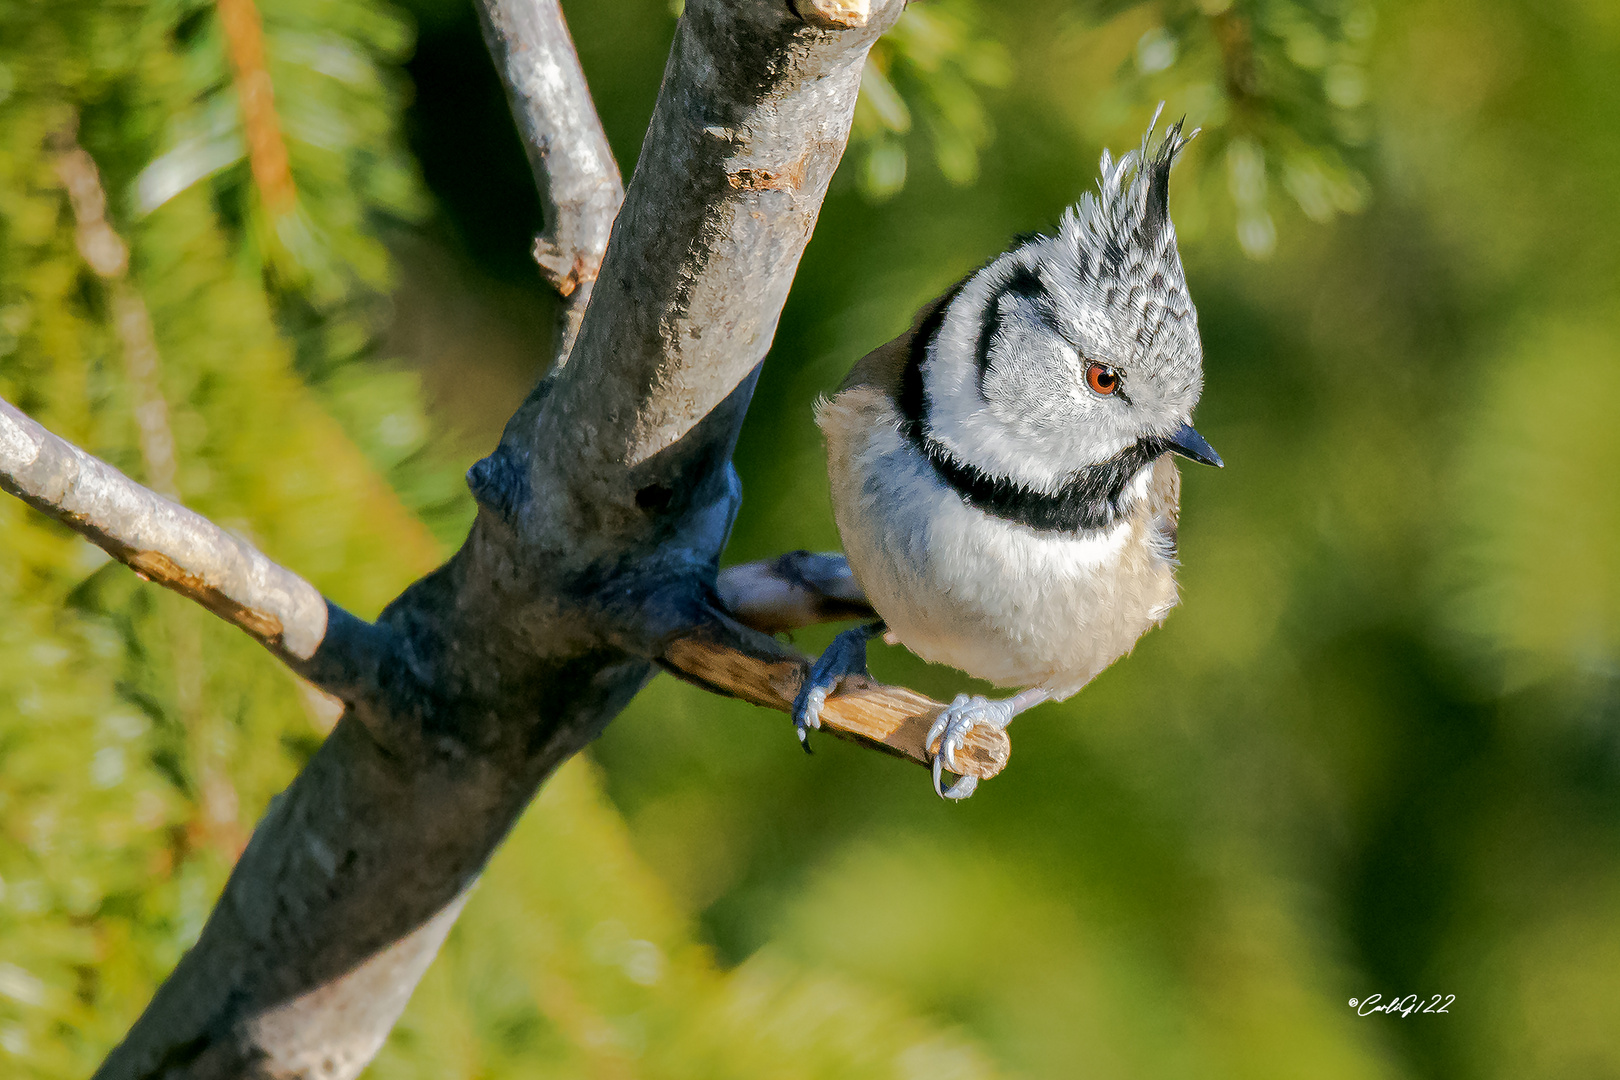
(107, 256)
(758, 669)
(574, 170)
(750, 124)
(602, 516)
(159, 539)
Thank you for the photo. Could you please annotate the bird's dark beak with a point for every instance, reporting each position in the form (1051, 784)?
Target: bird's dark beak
(1189, 444)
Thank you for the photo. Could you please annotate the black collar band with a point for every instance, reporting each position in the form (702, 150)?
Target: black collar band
(1090, 499)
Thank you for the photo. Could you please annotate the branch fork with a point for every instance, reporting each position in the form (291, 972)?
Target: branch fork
(593, 557)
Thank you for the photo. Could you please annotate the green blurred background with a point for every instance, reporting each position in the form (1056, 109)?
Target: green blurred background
(1376, 751)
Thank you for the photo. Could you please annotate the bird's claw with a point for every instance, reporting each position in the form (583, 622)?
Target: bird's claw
(951, 728)
(846, 656)
(807, 711)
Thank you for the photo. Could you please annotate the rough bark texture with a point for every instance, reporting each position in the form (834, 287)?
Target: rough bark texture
(602, 516)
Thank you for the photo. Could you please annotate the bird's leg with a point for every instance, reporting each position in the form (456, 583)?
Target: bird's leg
(844, 657)
(952, 726)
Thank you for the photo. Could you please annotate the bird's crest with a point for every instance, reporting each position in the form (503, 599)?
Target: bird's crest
(1131, 207)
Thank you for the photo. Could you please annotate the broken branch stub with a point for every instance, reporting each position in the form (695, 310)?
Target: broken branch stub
(833, 14)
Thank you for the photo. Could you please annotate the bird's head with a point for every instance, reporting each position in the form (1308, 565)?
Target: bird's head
(1069, 351)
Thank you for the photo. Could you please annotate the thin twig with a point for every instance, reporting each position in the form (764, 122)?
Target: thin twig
(888, 718)
(267, 149)
(107, 255)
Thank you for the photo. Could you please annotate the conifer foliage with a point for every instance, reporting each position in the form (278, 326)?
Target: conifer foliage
(139, 739)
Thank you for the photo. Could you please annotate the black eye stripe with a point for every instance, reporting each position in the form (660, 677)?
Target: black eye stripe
(1025, 283)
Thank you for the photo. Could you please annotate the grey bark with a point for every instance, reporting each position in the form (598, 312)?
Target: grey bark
(573, 166)
(602, 516)
(160, 539)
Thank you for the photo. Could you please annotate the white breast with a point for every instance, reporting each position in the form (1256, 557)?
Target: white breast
(958, 586)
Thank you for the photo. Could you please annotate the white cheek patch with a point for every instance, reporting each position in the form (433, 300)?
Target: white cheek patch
(1000, 439)
(1074, 366)
(1024, 399)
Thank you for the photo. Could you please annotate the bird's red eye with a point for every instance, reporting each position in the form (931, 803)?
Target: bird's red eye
(1102, 378)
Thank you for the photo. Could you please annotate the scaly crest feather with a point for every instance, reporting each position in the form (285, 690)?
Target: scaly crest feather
(1131, 207)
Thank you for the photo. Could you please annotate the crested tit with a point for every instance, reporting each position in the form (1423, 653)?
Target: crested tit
(1000, 473)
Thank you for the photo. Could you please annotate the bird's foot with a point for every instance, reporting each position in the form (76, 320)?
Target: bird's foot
(846, 656)
(951, 728)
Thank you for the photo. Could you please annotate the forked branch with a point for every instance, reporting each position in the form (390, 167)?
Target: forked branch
(594, 554)
(181, 550)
